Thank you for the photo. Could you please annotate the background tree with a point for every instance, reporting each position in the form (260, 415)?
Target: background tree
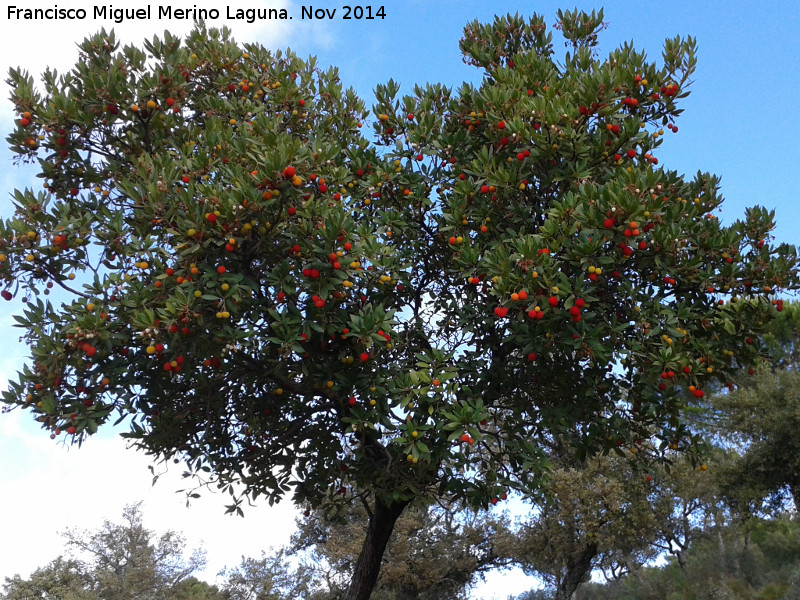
(127, 560)
(767, 567)
(762, 419)
(599, 514)
(435, 552)
(273, 576)
(291, 309)
(62, 579)
(118, 561)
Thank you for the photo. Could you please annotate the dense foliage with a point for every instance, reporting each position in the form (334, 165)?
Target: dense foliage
(762, 562)
(291, 308)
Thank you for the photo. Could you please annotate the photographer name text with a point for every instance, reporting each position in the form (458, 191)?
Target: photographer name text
(166, 12)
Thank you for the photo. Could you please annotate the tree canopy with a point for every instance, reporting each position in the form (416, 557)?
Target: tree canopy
(290, 307)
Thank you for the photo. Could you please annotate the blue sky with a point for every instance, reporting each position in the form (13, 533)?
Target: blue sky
(740, 122)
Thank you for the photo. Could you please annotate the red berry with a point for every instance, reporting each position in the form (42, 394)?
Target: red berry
(292, 211)
(553, 301)
(608, 223)
(364, 357)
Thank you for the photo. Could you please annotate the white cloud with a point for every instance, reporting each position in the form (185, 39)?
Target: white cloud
(47, 488)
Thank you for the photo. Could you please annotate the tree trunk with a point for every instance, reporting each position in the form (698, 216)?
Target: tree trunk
(576, 571)
(381, 524)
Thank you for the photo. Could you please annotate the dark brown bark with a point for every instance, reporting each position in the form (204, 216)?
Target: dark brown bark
(368, 566)
(577, 568)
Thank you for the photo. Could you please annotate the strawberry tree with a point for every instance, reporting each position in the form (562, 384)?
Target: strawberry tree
(223, 260)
